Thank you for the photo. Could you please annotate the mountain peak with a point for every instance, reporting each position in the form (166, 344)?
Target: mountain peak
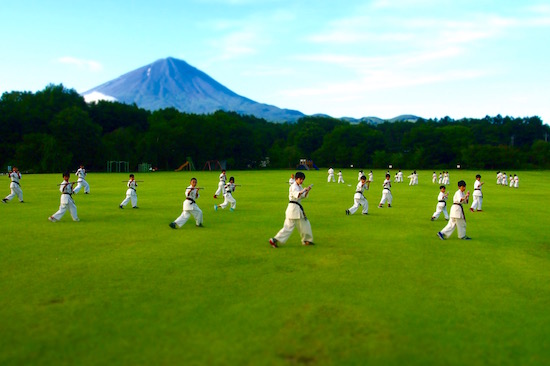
(171, 82)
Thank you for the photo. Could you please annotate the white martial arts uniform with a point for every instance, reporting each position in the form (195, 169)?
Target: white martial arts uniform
(446, 178)
(359, 199)
(478, 196)
(400, 177)
(511, 181)
(516, 181)
(360, 175)
(386, 194)
(340, 177)
(441, 206)
(66, 202)
(330, 175)
(15, 187)
(221, 183)
(228, 196)
(81, 181)
(499, 178)
(190, 208)
(457, 219)
(504, 180)
(370, 177)
(295, 216)
(131, 194)
(434, 177)
(291, 181)
(440, 181)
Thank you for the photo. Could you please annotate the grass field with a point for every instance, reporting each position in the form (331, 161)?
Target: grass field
(121, 287)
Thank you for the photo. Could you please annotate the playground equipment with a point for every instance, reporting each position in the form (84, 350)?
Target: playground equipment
(212, 164)
(188, 165)
(306, 164)
(119, 166)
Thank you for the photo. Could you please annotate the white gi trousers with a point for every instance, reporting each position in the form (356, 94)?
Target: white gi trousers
(453, 223)
(228, 199)
(304, 228)
(131, 195)
(441, 207)
(340, 179)
(220, 188)
(15, 191)
(66, 202)
(386, 197)
(478, 200)
(359, 200)
(190, 210)
(331, 178)
(81, 183)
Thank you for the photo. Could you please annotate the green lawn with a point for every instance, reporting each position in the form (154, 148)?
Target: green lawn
(121, 287)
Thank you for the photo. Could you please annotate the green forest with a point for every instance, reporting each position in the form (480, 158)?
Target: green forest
(54, 130)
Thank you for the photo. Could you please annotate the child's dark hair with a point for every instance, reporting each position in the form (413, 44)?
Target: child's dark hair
(66, 174)
(462, 183)
(387, 175)
(231, 179)
(441, 187)
(299, 175)
(478, 176)
(363, 177)
(131, 175)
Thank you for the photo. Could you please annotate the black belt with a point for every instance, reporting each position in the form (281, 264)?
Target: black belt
(133, 189)
(190, 199)
(388, 189)
(445, 202)
(16, 183)
(477, 189)
(462, 208)
(301, 208)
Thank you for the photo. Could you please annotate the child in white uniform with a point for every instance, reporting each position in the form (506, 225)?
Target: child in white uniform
(295, 215)
(330, 175)
(190, 207)
(441, 204)
(15, 187)
(340, 177)
(457, 217)
(516, 181)
(66, 200)
(228, 189)
(81, 181)
(478, 196)
(131, 194)
(221, 183)
(359, 198)
(386, 192)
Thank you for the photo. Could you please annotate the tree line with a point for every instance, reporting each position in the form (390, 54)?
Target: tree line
(54, 130)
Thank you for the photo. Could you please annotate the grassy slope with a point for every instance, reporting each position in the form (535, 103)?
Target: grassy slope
(122, 287)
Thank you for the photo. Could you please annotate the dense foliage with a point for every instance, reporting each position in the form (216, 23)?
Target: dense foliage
(54, 129)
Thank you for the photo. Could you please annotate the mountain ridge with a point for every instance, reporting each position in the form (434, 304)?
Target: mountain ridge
(173, 83)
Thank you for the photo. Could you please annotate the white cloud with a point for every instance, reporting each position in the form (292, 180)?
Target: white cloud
(90, 65)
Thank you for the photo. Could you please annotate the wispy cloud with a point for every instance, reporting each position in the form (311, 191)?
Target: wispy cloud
(90, 65)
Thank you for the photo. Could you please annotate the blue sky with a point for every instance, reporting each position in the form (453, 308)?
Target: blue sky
(431, 58)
